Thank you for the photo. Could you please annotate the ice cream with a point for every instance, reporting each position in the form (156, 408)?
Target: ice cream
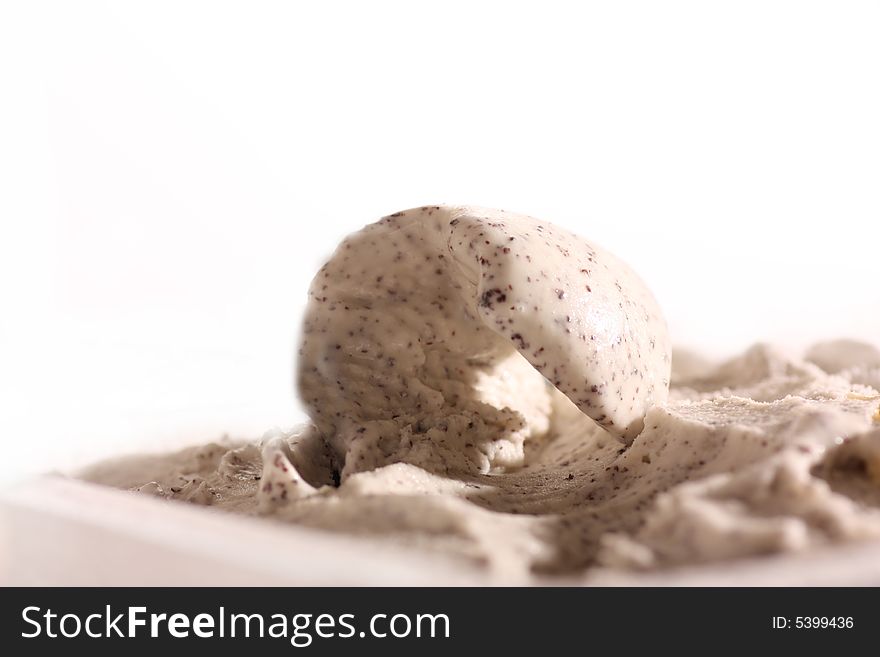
(430, 337)
(496, 390)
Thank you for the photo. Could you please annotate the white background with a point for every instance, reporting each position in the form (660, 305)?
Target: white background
(172, 173)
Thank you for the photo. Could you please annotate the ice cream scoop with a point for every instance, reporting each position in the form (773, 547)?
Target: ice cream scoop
(417, 327)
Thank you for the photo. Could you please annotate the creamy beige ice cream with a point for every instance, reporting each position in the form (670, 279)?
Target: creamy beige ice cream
(494, 389)
(430, 337)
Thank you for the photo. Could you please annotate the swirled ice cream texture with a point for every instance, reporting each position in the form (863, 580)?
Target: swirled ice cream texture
(431, 336)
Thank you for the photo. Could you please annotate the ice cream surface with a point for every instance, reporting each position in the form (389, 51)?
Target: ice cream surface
(431, 336)
(496, 390)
